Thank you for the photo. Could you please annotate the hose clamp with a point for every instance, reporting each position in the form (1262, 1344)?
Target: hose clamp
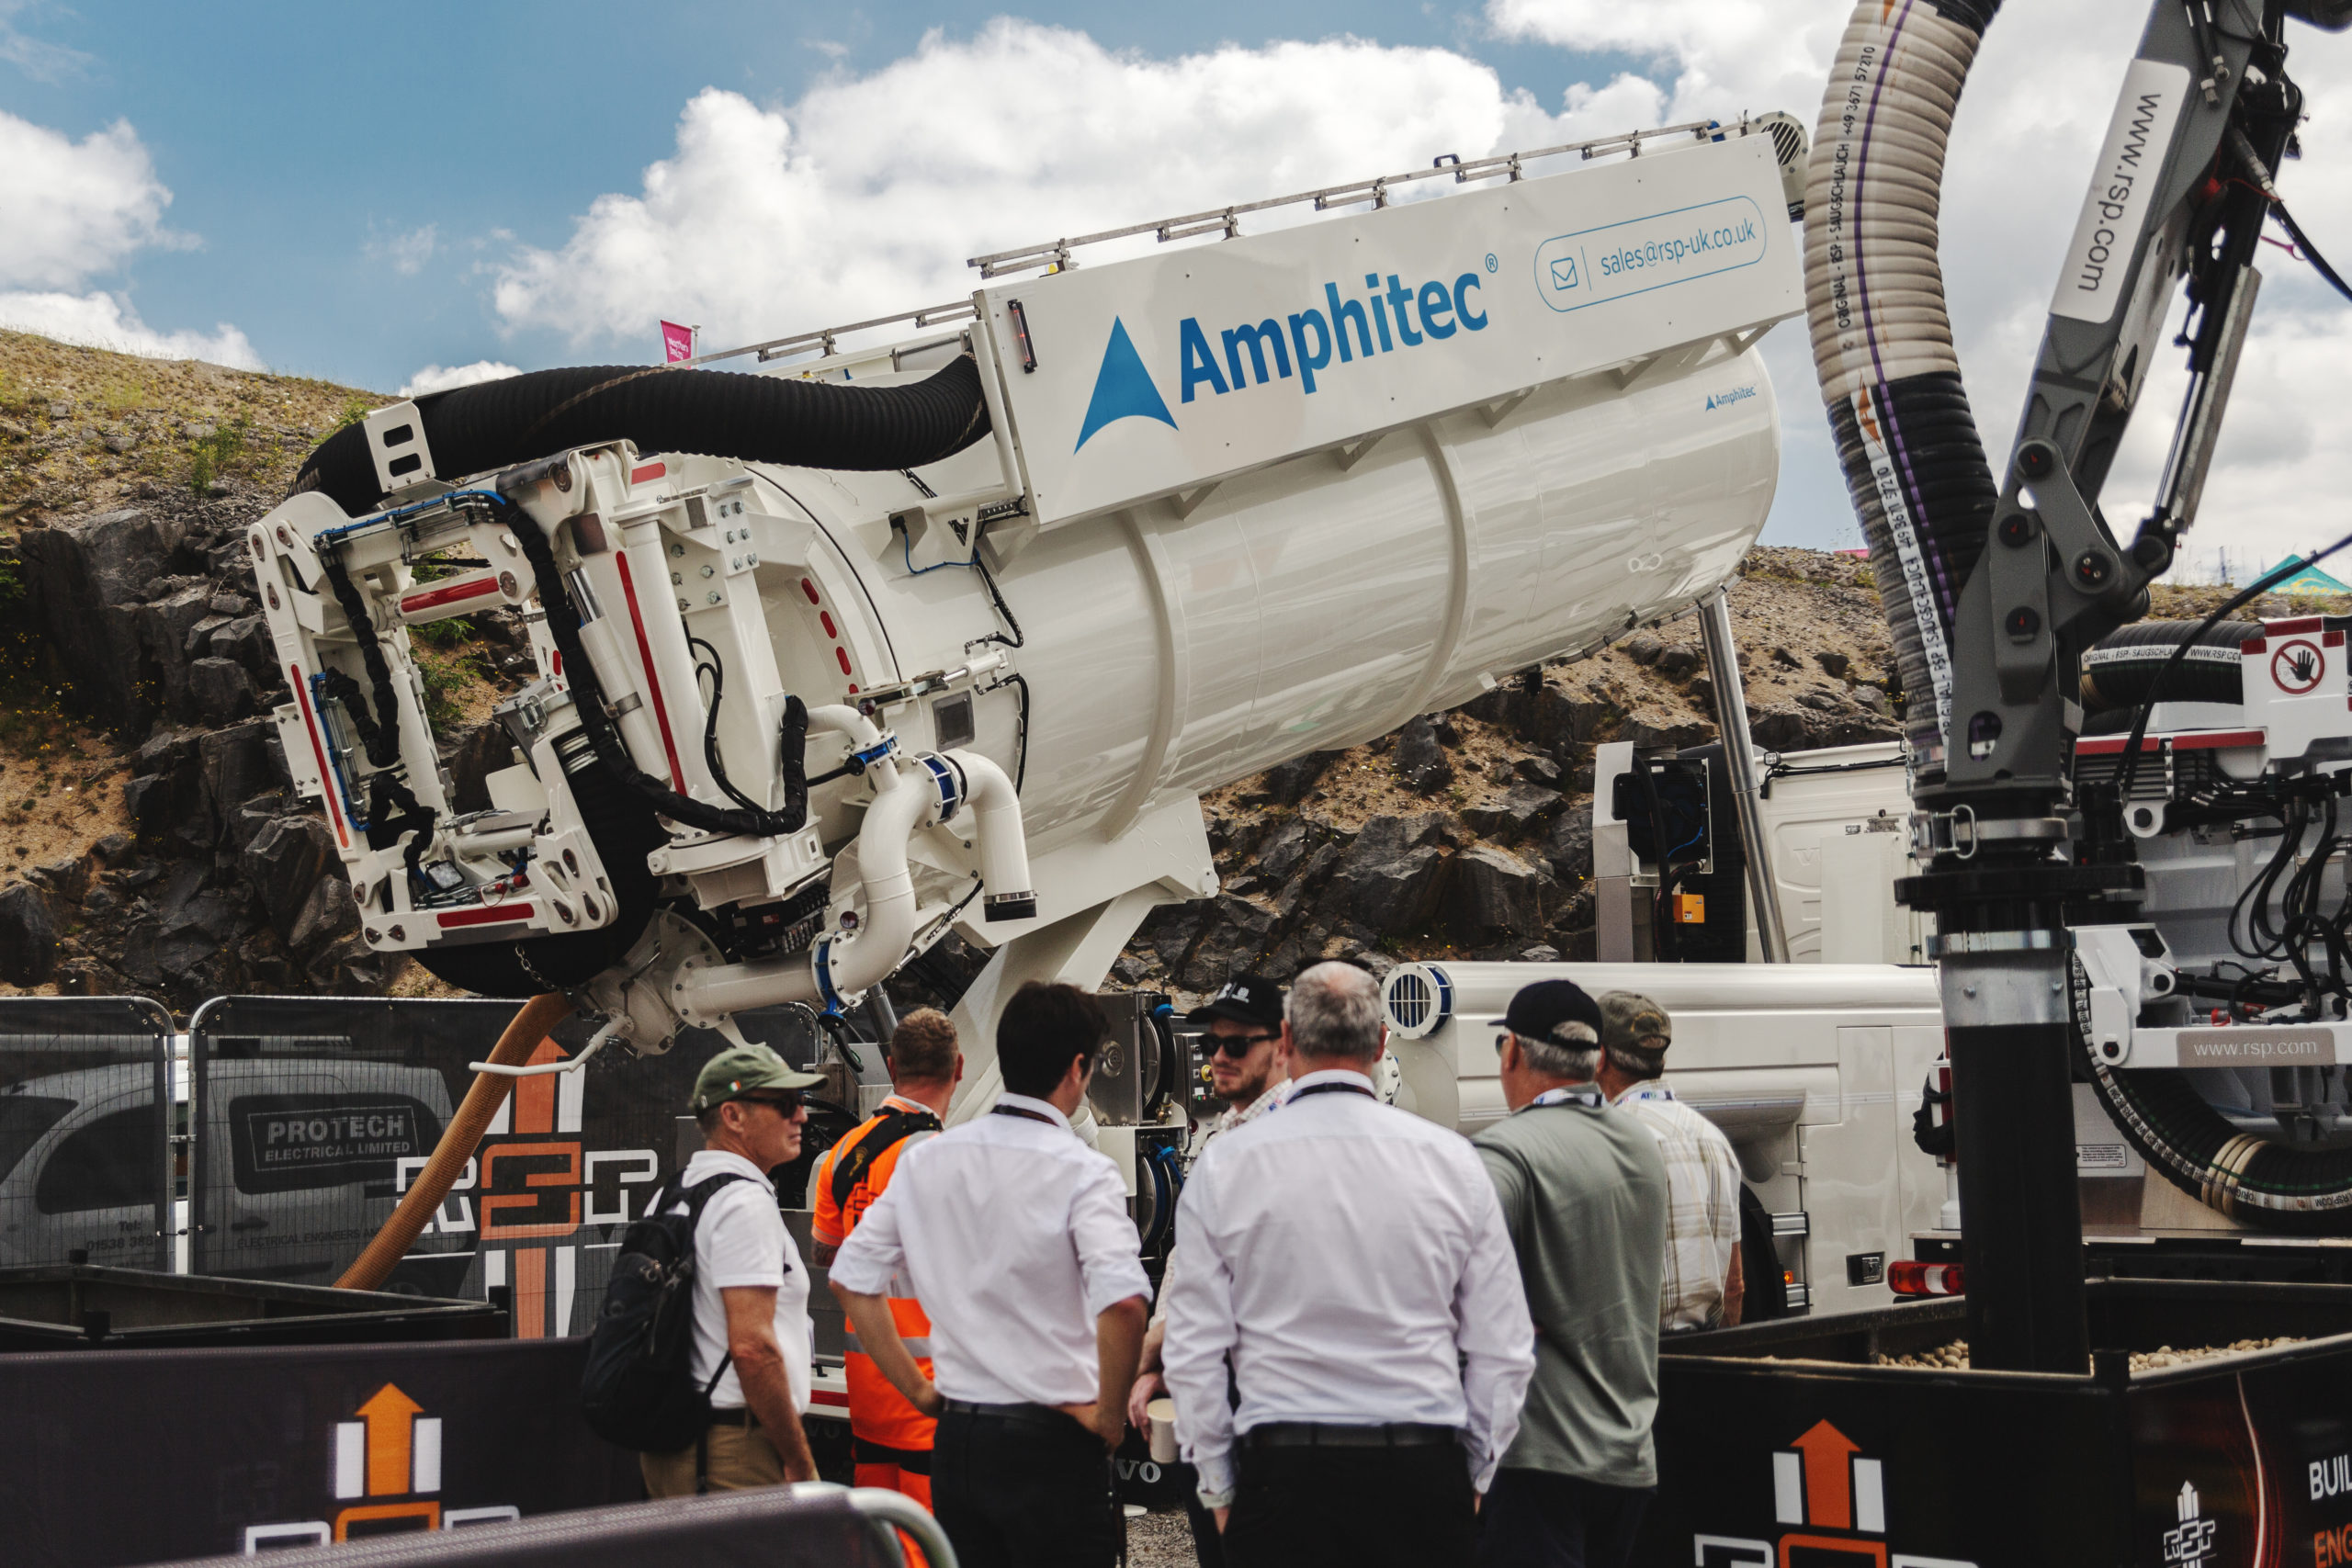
(820, 963)
(949, 780)
(858, 761)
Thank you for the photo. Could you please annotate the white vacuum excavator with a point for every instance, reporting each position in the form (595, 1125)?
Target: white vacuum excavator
(952, 633)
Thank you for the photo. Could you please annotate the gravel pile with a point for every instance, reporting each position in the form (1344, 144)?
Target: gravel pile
(1944, 1358)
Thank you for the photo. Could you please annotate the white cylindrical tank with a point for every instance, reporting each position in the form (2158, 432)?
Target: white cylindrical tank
(1311, 606)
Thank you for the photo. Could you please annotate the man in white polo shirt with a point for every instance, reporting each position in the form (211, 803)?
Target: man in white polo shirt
(1015, 1237)
(750, 1313)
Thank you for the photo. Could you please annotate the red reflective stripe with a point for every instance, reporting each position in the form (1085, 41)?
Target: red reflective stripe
(651, 471)
(326, 774)
(825, 619)
(843, 654)
(485, 914)
(809, 589)
(652, 680)
(448, 593)
(826, 1396)
(2288, 628)
(2253, 644)
(2210, 740)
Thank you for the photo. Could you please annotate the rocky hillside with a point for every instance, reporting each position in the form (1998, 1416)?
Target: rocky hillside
(149, 843)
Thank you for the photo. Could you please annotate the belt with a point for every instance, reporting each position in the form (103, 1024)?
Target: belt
(1044, 1416)
(734, 1415)
(1323, 1435)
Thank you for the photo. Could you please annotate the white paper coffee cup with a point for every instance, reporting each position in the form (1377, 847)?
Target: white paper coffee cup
(1162, 1413)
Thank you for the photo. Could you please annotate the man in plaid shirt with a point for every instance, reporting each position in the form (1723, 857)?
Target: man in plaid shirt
(1702, 1285)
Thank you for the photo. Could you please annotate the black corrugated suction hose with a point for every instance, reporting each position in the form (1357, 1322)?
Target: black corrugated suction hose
(2118, 668)
(2265, 1184)
(759, 418)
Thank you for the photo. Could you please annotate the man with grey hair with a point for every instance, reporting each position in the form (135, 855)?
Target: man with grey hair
(1350, 1261)
(1583, 1191)
(1704, 1287)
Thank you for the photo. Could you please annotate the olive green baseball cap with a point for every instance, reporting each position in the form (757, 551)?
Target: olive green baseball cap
(739, 1070)
(1627, 1018)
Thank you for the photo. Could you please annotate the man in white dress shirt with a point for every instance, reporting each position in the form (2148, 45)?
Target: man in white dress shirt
(1017, 1238)
(1350, 1261)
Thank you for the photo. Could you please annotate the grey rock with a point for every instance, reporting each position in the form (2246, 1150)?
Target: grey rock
(120, 443)
(111, 849)
(1538, 771)
(85, 582)
(1678, 660)
(1567, 849)
(1420, 760)
(284, 862)
(164, 627)
(1493, 894)
(1448, 733)
(237, 764)
(200, 636)
(68, 877)
(1834, 662)
(27, 935)
(484, 751)
(246, 640)
(220, 690)
(1283, 852)
(1287, 784)
(1874, 699)
(1520, 810)
(328, 913)
(1818, 700)
(61, 410)
(1643, 648)
(1393, 895)
(1541, 953)
(231, 604)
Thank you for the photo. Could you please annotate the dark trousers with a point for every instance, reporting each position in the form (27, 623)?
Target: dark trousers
(1028, 1491)
(1534, 1518)
(1351, 1508)
(1208, 1545)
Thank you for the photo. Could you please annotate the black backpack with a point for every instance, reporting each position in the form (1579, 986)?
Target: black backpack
(636, 1390)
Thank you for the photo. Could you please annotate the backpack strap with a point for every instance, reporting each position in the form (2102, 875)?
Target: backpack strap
(887, 1130)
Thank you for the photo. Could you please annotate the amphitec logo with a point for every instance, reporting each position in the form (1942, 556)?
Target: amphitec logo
(388, 1465)
(1730, 395)
(1299, 346)
(1834, 1499)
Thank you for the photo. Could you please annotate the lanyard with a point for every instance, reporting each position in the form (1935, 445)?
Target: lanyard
(1025, 1112)
(1332, 1087)
(1649, 1092)
(1588, 1097)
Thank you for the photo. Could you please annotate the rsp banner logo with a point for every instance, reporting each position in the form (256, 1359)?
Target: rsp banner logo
(388, 1464)
(1833, 1500)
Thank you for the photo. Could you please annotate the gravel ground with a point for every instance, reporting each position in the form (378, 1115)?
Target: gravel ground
(1161, 1540)
(1955, 1355)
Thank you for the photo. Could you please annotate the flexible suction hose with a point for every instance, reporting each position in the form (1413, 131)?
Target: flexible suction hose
(458, 1141)
(760, 419)
(1881, 338)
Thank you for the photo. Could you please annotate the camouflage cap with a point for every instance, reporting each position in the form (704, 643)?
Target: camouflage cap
(1628, 1018)
(739, 1070)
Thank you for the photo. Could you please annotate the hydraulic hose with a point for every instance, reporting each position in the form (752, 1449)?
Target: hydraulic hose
(458, 1141)
(1882, 338)
(760, 419)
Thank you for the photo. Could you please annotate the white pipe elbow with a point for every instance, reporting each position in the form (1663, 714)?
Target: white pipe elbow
(1004, 842)
(842, 719)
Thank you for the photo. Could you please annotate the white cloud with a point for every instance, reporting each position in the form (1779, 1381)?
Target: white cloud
(75, 209)
(2022, 145)
(108, 321)
(441, 377)
(865, 197)
(408, 252)
(41, 61)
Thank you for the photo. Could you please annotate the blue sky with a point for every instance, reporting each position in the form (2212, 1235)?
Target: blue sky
(299, 142)
(387, 197)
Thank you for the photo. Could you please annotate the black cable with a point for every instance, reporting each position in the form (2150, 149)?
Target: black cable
(588, 699)
(2262, 585)
(2310, 251)
(710, 725)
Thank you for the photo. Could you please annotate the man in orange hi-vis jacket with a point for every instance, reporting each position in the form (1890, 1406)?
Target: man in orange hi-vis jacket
(890, 1436)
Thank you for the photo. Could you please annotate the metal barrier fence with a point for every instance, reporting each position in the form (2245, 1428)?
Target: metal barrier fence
(86, 1156)
(311, 1114)
(816, 1525)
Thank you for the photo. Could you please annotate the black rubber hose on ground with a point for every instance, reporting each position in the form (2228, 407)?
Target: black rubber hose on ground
(760, 419)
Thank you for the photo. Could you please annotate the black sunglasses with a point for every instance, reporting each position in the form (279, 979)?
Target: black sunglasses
(787, 1101)
(1235, 1045)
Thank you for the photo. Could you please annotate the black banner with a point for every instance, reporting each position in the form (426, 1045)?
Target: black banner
(141, 1456)
(766, 1529)
(85, 1160)
(313, 1114)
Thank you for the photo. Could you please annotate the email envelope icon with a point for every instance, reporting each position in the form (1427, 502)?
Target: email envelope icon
(1564, 273)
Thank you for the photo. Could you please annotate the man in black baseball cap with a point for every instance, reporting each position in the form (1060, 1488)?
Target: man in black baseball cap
(1244, 1020)
(1584, 1192)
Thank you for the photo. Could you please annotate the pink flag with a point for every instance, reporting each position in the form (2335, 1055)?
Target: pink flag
(677, 342)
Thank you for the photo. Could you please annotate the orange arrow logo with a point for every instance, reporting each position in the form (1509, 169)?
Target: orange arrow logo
(390, 1415)
(1828, 1481)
